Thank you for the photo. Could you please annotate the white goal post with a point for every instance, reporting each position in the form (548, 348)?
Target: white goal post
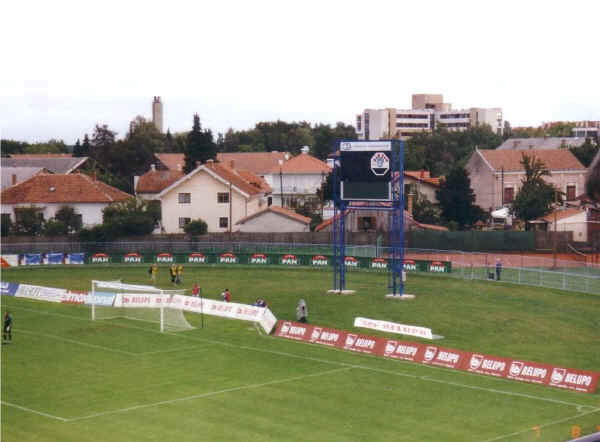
(115, 299)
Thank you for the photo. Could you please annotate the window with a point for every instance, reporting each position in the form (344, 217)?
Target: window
(185, 198)
(509, 194)
(571, 192)
(184, 221)
(223, 222)
(366, 223)
(223, 197)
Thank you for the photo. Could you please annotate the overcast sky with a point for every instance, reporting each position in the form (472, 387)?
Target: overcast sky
(67, 66)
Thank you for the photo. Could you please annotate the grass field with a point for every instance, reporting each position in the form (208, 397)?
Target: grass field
(66, 378)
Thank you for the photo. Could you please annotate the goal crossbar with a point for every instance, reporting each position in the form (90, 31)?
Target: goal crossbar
(137, 302)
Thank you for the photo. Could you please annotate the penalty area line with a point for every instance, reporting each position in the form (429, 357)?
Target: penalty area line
(73, 341)
(546, 425)
(204, 395)
(30, 410)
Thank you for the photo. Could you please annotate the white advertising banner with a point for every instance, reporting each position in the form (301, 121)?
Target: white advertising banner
(392, 327)
(140, 300)
(223, 309)
(40, 293)
(9, 260)
(100, 298)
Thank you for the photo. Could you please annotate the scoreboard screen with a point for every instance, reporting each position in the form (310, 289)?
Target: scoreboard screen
(366, 170)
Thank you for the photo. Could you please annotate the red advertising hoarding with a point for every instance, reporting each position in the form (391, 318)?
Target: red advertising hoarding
(525, 371)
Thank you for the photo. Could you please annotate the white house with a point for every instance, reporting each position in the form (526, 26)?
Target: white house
(215, 193)
(47, 193)
(296, 181)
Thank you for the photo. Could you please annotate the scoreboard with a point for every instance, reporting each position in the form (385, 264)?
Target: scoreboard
(366, 170)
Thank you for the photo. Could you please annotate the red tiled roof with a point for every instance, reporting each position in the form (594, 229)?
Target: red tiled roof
(279, 210)
(255, 180)
(172, 161)
(258, 163)
(561, 214)
(154, 181)
(41, 155)
(54, 188)
(230, 175)
(422, 175)
(303, 163)
(554, 159)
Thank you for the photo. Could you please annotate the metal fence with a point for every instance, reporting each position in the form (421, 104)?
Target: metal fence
(578, 273)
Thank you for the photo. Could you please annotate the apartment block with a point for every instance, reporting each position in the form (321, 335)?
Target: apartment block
(428, 112)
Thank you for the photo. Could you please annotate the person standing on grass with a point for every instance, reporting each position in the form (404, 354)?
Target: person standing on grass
(153, 272)
(301, 311)
(7, 329)
(179, 274)
(195, 290)
(498, 269)
(226, 296)
(173, 272)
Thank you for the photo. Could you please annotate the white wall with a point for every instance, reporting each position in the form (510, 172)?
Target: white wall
(91, 213)
(272, 222)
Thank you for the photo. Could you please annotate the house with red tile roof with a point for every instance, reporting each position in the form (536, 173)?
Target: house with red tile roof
(150, 184)
(49, 192)
(274, 219)
(297, 180)
(580, 221)
(215, 193)
(496, 175)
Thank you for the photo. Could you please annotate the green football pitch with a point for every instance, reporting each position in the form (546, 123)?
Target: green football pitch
(67, 378)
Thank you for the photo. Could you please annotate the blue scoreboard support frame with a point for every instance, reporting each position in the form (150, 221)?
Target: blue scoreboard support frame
(396, 232)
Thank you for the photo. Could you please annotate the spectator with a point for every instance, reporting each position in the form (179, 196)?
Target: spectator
(301, 311)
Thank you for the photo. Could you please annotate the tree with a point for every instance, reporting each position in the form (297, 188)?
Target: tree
(424, 211)
(51, 146)
(536, 196)
(54, 227)
(82, 150)
(102, 145)
(6, 224)
(29, 222)
(457, 199)
(69, 218)
(8, 147)
(129, 218)
(196, 227)
(586, 152)
(199, 147)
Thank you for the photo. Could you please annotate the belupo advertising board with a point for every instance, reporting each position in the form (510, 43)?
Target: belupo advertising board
(554, 376)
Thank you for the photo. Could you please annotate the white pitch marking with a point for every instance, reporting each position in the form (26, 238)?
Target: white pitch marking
(324, 361)
(549, 424)
(203, 395)
(8, 404)
(492, 390)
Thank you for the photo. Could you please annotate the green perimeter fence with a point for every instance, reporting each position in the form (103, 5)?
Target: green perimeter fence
(574, 275)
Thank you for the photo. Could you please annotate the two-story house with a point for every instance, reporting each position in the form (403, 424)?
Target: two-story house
(497, 175)
(215, 193)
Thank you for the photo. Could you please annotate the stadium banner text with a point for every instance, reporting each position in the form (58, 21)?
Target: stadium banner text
(508, 368)
(392, 327)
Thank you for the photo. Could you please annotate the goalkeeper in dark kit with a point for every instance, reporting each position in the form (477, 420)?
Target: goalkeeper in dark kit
(7, 329)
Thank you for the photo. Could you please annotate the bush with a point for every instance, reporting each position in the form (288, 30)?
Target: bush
(29, 222)
(6, 224)
(196, 227)
(55, 227)
(69, 218)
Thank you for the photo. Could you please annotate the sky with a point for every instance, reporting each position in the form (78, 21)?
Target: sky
(69, 65)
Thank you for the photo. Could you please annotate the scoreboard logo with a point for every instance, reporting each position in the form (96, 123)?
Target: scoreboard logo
(380, 164)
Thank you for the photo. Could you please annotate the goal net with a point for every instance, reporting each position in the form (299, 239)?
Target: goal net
(114, 299)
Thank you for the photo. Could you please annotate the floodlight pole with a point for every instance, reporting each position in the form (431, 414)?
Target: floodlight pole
(397, 230)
